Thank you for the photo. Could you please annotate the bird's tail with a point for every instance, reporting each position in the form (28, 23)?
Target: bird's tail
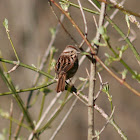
(61, 83)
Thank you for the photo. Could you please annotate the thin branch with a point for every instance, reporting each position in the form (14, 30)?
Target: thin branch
(101, 21)
(44, 59)
(101, 86)
(5, 23)
(114, 13)
(102, 112)
(91, 101)
(121, 60)
(6, 115)
(54, 115)
(57, 111)
(10, 85)
(103, 128)
(112, 122)
(60, 22)
(14, 68)
(133, 36)
(28, 67)
(64, 119)
(77, 6)
(17, 130)
(135, 52)
(81, 99)
(94, 5)
(45, 113)
(92, 80)
(95, 22)
(85, 23)
(51, 56)
(29, 89)
(115, 5)
(11, 115)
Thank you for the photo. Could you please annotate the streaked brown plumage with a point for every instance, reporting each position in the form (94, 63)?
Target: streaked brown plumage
(66, 66)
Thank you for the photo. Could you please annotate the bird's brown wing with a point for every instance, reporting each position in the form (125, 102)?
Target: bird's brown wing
(64, 64)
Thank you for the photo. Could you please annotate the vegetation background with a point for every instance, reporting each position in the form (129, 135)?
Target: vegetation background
(29, 25)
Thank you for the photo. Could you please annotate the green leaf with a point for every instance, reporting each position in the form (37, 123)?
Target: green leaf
(3, 134)
(124, 73)
(128, 23)
(46, 90)
(53, 49)
(97, 133)
(124, 48)
(5, 23)
(103, 32)
(82, 79)
(134, 77)
(33, 66)
(97, 3)
(107, 55)
(65, 5)
(106, 88)
(53, 63)
(95, 41)
(60, 101)
(53, 31)
(85, 53)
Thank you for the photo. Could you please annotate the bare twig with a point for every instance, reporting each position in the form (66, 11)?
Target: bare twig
(92, 79)
(81, 99)
(85, 23)
(64, 119)
(101, 86)
(133, 36)
(91, 101)
(17, 130)
(5, 23)
(11, 86)
(103, 128)
(94, 5)
(82, 88)
(45, 113)
(44, 59)
(62, 23)
(11, 115)
(112, 122)
(95, 22)
(84, 99)
(101, 21)
(14, 68)
(69, 111)
(54, 115)
(114, 13)
(117, 6)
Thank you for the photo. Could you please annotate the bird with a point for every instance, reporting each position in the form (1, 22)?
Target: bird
(66, 66)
